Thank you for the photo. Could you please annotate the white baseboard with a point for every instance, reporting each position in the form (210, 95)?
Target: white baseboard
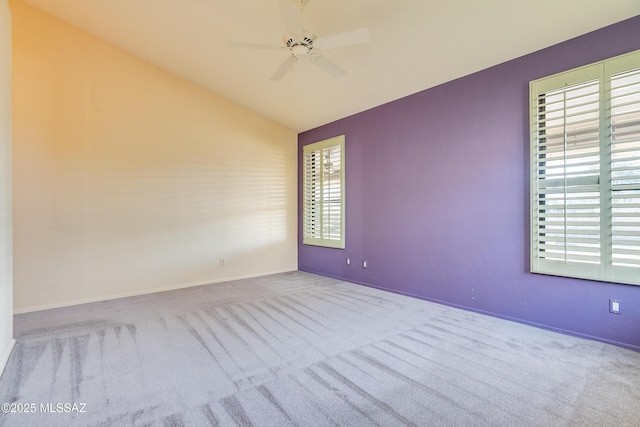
(145, 292)
(5, 356)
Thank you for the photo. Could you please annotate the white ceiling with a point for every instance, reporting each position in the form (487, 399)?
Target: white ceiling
(415, 44)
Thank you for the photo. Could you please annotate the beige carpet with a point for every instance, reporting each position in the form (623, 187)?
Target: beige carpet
(300, 349)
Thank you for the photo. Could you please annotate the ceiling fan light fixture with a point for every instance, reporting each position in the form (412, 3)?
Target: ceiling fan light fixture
(298, 50)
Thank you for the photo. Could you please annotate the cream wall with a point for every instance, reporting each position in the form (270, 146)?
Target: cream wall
(129, 180)
(6, 305)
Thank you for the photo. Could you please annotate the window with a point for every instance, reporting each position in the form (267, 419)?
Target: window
(323, 222)
(585, 172)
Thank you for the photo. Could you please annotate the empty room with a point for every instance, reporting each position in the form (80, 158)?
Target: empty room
(319, 212)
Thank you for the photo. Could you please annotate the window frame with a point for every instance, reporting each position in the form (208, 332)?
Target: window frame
(313, 210)
(606, 270)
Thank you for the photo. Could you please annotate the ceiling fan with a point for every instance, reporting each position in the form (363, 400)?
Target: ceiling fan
(299, 42)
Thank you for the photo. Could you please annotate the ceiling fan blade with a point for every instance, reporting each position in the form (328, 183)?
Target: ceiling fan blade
(291, 14)
(327, 65)
(284, 68)
(343, 39)
(255, 46)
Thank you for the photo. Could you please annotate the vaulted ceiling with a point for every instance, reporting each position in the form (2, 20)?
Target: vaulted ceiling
(415, 44)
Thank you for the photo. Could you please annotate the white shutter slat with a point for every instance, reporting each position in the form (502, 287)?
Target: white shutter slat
(562, 236)
(626, 251)
(625, 168)
(625, 145)
(550, 214)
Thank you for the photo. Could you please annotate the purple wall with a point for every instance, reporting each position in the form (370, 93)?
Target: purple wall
(438, 199)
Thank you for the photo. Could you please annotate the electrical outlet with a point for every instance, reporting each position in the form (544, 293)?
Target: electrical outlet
(364, 264)
(614, 306)
(348, 261)
(222, 261)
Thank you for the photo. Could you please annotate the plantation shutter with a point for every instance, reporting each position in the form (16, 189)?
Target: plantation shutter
(625, 172)
(323, 210)
(567, 175)
(585, 172)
